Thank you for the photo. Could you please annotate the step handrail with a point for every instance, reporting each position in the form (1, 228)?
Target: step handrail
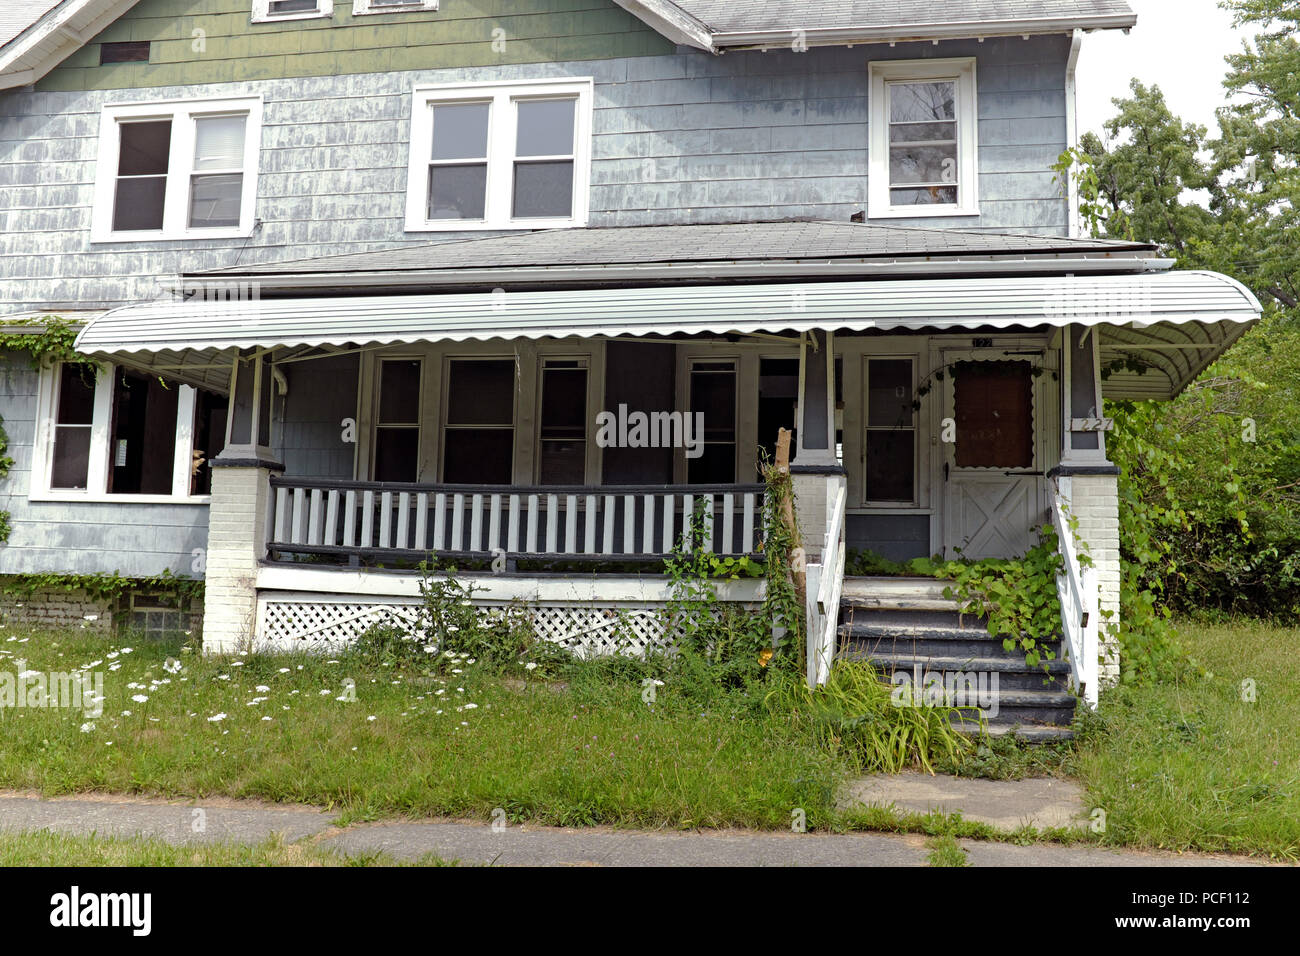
(1076, 587)
(824, 609)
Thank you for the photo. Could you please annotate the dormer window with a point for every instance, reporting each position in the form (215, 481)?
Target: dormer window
(923, 139)
(269, 11)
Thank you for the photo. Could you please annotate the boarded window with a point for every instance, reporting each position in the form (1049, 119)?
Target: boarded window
(891, 432)
(131, 51)
(397, 427)
(995, 414)
(72, 429)
(563, 458)
(479, 433)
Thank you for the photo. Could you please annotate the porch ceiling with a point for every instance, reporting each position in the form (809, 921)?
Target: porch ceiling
(1172, 323)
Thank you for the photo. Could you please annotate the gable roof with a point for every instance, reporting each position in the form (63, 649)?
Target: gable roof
(697, 252)
(719, 24)
(38, 35)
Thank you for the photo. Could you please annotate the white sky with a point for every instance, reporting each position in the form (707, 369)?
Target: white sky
(1178, 45)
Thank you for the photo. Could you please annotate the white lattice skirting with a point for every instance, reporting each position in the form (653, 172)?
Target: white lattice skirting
(322, 621)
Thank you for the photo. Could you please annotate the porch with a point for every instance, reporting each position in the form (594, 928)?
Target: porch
(495, 430)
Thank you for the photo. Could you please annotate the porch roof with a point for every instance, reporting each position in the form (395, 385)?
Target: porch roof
(1173, 323)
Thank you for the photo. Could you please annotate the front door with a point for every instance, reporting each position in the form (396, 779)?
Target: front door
(993, 498)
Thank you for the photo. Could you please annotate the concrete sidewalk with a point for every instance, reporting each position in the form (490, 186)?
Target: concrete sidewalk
(216, 821)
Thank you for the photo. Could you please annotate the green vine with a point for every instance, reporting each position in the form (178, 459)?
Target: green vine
(48, 337)
(102, 587)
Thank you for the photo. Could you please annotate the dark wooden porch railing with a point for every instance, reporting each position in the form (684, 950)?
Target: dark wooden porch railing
(614, 522)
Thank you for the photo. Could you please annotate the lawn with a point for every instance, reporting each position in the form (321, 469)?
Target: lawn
(1193, 765)
(1199, 764)
(285, 728)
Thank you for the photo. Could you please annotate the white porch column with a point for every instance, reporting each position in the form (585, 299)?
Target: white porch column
(814, 460)
(1094, 480)
(237, 516)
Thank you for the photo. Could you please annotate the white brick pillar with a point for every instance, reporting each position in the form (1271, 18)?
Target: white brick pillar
(239, 509)
(241, 495)
(1093, 496)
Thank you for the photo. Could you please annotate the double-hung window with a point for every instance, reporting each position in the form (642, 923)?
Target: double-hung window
(397, 426)
(712, 394)
(510, 156)
(890, 446)
(923, 139)
(269, 11)
(178, 170)
(107, 433)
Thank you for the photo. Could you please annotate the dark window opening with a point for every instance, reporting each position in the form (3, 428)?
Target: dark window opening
(995, 414)
(134, 51)
(75, 412)
(479, 437)
(276, 7)
(713, 393)
(778, 396)
(141, 188)
(397, 429)
(563, 458)
(209, 438)
(891, 432)
(142, 446)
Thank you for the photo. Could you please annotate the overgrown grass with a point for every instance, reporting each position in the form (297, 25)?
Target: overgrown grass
(42, 848)
(586, 751)
(1195, 764)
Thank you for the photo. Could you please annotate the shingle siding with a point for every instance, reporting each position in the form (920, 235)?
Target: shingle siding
(685, 137)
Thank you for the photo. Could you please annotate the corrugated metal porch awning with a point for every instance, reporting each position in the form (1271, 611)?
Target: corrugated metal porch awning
(1178, 321)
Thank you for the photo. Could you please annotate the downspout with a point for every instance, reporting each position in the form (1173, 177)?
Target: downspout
(1072, 132)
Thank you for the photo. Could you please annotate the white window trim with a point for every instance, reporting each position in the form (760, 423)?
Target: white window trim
(100, 445)
(501, 152)
(262, 12)
(363, 7)
(180, 166)
(962, 71)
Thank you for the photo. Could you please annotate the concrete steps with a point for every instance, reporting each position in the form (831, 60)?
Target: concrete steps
(907, 627)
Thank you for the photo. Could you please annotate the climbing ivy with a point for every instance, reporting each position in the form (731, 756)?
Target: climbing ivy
(102, 587)
(51, 337)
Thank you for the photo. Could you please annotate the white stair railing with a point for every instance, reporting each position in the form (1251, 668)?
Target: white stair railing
(1076, 586)
(825, 583)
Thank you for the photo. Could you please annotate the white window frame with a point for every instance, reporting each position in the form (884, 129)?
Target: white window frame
(96, 489)
(364, 7)
(960, 70)
(502, 130)
(180, 167)
(262, 12)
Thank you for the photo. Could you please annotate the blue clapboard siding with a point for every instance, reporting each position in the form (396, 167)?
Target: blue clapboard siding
(83, 538)
(896, 537)
(688, 137)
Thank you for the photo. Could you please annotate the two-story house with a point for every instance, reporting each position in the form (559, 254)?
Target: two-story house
(524, 283)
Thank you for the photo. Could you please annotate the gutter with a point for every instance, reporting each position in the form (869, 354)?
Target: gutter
(902, 33)
(693, 272)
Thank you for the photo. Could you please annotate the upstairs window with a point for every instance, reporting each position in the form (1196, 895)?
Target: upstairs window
(268, 11)
(514, 156)
(177, 170)
(362, 7)
(923, 139)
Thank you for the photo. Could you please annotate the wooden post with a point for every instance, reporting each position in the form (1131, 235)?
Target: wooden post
(787, 514)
